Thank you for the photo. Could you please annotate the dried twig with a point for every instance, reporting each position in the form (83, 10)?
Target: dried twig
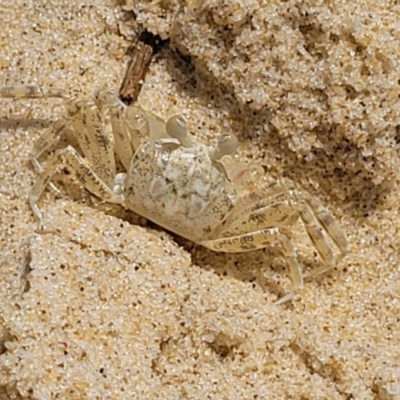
(142, 51)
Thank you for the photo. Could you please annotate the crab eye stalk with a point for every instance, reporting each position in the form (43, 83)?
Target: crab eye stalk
(176, 128)
(227, 145)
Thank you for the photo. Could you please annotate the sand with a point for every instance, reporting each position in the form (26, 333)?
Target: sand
(100, 304)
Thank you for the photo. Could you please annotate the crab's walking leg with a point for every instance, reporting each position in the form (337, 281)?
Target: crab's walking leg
(31, 92)
(259, 240)
(48, 138)
(277, 205)
(127, 132)
(71, 160)
(87, 127)
(96, 170)
(282, 214)
(94, 140)
(122, 141)
(326, 220)
(52, 134)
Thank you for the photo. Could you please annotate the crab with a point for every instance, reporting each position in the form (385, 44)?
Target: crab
(204, 194)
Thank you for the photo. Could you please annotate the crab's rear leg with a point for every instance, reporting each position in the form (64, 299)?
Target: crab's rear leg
(259, 240)
(97, 170)
(280, 208)
(285, 213)
(31, 92)
(85, 124)
(52, 134)
(122, 132)
(83, 120)
(277, 205)
(71, 160)
(327, 221)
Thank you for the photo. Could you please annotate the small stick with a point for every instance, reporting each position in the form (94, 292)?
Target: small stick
(142, 52)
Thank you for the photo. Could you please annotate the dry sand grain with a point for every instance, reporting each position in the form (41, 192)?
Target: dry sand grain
(103, 305)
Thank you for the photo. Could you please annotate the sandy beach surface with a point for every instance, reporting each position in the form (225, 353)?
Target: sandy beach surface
(98, 303)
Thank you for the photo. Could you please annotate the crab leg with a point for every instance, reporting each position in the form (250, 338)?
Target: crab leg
(326, 220)
(96, 170)
(276, 205)
(70, 159)
(282, 214)
(51, 135)
(49, 138)
(259, 240)
(94, 140)
(32, 92)
(87, 124)
(122, 141)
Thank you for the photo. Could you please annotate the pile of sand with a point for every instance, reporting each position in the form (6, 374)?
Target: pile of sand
(99, 304)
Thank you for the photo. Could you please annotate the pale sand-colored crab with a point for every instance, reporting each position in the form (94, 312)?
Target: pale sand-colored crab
(203, 194)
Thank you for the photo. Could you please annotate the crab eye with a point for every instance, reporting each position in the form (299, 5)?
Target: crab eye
(176, 127)
(227, 144)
